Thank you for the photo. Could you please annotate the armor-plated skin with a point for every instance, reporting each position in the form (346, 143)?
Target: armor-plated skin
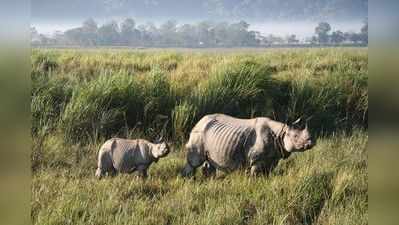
(127, 156)
(227, 143)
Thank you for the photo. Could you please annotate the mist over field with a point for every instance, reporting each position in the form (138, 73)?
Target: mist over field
(267, 16)
(302, 29)
(254, 10)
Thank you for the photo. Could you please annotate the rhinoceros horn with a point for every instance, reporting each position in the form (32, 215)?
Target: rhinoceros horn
(296, 122)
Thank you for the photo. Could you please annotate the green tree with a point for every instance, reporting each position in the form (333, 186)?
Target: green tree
(337, 37)
(291, 39)
(89, 32)
(364, 32)
(238, 34)
(220, 34)
(90, 25)
(109, 33)
(204, 33)
(129, 34)
(149, 34)
(168, 33)
(187, 35)
(322, 31)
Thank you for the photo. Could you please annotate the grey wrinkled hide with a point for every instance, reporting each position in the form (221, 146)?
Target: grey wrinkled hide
(127, 156)
(226, 143)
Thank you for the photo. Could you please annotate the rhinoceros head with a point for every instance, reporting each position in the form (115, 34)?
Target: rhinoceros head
(161, 149)
(298, 137)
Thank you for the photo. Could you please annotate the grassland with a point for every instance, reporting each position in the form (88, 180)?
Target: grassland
(81, 98)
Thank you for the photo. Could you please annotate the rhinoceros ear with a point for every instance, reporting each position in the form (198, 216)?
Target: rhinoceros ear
(307, 121)
(159, 139)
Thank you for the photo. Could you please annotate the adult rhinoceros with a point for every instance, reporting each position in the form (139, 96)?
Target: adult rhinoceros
(226, 143)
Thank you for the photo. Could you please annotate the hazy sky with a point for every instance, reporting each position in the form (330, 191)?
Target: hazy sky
(268, 16)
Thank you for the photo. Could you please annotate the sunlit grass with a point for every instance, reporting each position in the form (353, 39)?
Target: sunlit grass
(81, 98)
(327, 185)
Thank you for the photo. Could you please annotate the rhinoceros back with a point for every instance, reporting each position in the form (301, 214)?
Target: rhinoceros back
(226, 143)
(124, 154)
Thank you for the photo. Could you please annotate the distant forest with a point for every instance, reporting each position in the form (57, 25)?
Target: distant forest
(200, 35)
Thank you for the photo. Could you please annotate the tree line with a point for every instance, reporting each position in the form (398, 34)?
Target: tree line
(203, 34)
(325, 36)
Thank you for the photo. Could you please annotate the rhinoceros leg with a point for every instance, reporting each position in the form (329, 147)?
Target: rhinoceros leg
(104, 164)
(208, 169)
(256, 169)
(132, 170)
(142, 170)
(99, 173)
(194, 160)
(188, 170)
(269, 166)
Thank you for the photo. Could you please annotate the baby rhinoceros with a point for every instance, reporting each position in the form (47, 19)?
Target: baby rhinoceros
(127, 156)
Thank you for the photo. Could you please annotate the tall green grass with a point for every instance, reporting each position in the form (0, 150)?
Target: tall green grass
(107, 96)
(101, 107)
